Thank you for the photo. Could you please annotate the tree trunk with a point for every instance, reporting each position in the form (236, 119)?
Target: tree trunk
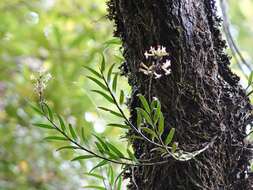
(201, 98)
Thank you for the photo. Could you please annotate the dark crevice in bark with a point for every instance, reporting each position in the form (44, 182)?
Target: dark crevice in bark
(201, 98)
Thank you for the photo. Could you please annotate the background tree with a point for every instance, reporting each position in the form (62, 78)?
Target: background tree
(201, 98)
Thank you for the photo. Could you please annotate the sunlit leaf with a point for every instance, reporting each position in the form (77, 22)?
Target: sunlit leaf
(72, 132)
(111, 111)
(41, 125)
(98, 82)
(170, 136)
(114, 84)
(94, 187)
(107, 97)
(109, 74)
(122, 97)
(93, 71)
(94, 175)
(118, 125)
(161, 125)
(144, 103)
(102, 63)
(67, 147)
(174, 147)
(145, 115)
(100, 164)
(58, 138)
(102, 142)
(115, 150)
(83, 157)
(62, 124)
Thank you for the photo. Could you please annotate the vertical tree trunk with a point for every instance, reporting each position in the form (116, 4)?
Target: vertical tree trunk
(201, 98)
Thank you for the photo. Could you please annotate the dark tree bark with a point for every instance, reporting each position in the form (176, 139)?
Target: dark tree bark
(201, 98)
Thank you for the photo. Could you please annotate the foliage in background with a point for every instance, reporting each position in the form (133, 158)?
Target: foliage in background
(61, 36)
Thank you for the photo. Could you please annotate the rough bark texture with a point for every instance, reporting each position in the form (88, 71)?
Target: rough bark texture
(201, 98)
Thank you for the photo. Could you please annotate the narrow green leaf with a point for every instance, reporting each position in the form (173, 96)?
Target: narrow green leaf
(131, 155)
(93, 71)
(100, 148)
(83, 157)
(102, 142)
(62, 124)
(112, 155)
(118, 125)
(107, 97)
(111, 111)
(170, 136)
(174, 147)
(67, 147)
(94, 187)
(144, 103)
(115, 150)
(49, 112)
(109, 74)
(72, 132)
(41, 125)
(103, 63)
(161, 125)
(145, 116)
(149, 131)
(36, 109)
(250, 78)
(56, 138)
(121, 97)
(114, 83)
(139, 118)
(98, 82)
(111, 175)
(100, 164)
(94, 175)
(83, 135)
(119, 183)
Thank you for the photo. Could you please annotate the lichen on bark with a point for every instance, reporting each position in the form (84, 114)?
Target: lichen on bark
(201, 98)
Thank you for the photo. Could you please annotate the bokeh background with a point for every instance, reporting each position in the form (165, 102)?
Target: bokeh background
(61, 36)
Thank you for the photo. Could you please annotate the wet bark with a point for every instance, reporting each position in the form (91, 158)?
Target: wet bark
(201, 98)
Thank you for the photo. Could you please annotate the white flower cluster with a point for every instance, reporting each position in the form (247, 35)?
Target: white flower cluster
(41, 81)
(158, 67)
(159, 52)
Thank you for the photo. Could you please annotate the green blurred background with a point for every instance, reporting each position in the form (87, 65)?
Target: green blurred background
(61, 36)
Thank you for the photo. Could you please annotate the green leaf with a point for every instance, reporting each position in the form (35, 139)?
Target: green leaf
(94, 175)
(104, 95)
(114, 83)
(161, 125)
(49, 112)
(144, 103)
(250, 78)
(170, 136)
(111, 111)
(102, 142)
(145, 116)
(63, 127)
(56, 138)
(114, 41)
(83, 135)
(94, 187)
(83, 157)
(67, 147)
(93, 71)
(139, 118)
(98, 82)
(115, 150)
(100, 148)
(102, 63)
(100, 164)
(118, 125)
(131, 155)
(119, 183)
(149, 131)
(36, 109)
(121, 97)
(41, 125)
(109, 74)
(174, 147)
(72, 132)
